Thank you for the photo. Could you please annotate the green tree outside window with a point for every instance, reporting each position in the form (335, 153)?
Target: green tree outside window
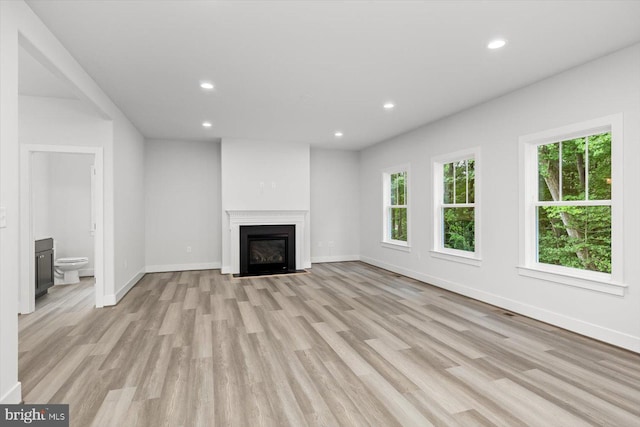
(574, 203)
(397, 215)
(458, 209)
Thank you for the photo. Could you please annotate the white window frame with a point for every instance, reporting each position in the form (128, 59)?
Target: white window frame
(438, 249)
(387, 241)
(528, 264)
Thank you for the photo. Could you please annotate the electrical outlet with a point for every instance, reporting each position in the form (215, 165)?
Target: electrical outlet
(126, 264)
(331, 243)
(320, 244)
(188, 249)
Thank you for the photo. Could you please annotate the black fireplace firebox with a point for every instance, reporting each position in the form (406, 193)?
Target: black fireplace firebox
(267, 249)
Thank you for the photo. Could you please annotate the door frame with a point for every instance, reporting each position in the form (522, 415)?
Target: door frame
(27, 243)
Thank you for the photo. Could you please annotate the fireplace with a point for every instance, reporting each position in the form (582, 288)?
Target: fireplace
(267, 249)
(240, 218)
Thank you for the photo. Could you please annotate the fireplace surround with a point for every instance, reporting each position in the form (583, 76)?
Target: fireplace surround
(237, 218)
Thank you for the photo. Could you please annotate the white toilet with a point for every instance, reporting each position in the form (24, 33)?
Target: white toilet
(66, 270)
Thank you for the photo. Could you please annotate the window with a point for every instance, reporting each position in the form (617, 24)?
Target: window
(570, 209)
(574, 203)
(396, 206)
(456, 218)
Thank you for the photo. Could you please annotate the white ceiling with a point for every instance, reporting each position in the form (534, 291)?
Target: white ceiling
(300, 70)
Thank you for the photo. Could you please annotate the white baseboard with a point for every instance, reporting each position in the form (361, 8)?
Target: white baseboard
(182, 267)
(115, 299)
(87, 272)
(130, 284)
(13, 396)
(591, 330)
(334, 258)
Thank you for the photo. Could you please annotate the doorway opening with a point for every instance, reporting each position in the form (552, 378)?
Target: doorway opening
(31, 230)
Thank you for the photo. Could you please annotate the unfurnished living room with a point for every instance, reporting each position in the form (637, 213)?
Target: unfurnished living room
(323, 213)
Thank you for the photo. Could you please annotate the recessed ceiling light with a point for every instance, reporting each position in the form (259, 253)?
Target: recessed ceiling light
(389, 106)
(496, 44)
(206, 85)
(338, 134)
(206, 124)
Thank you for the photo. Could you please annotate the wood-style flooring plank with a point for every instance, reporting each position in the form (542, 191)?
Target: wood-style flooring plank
(346, 344)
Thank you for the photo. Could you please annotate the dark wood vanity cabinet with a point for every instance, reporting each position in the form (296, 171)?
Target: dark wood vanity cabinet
(44, 266)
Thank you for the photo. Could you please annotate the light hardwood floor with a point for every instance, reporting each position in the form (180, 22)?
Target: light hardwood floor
(347, 344)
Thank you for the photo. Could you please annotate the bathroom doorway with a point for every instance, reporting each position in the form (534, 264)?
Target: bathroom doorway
(36, 227)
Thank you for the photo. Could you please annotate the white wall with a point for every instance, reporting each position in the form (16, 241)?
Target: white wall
(65, 122)
(10, 391)
(335, 205)
(18, 24)
(259, 175)
(606, 86)
(58, 121)
(128, 208)
(264, 176)
(70, 204)
(182, 204)
(40, 193)
(62, 206)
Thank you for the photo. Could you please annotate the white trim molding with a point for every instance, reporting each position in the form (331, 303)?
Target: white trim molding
(238, 218)
(438, 250)
(130, 284)
(101, 240)
(87, 272)
(396, 246)
(166, 268)
(334, 258)
(457, 256)
(387, 241)
(528, 187)
(13, 396)
(589, 281)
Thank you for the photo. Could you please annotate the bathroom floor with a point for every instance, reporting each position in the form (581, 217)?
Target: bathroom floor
(64, 296)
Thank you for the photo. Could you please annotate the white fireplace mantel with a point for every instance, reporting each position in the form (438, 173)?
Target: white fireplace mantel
(237, 218)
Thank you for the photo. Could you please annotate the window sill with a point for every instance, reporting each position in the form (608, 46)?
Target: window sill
(593, 281)
(462, 258)
(399, 246)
